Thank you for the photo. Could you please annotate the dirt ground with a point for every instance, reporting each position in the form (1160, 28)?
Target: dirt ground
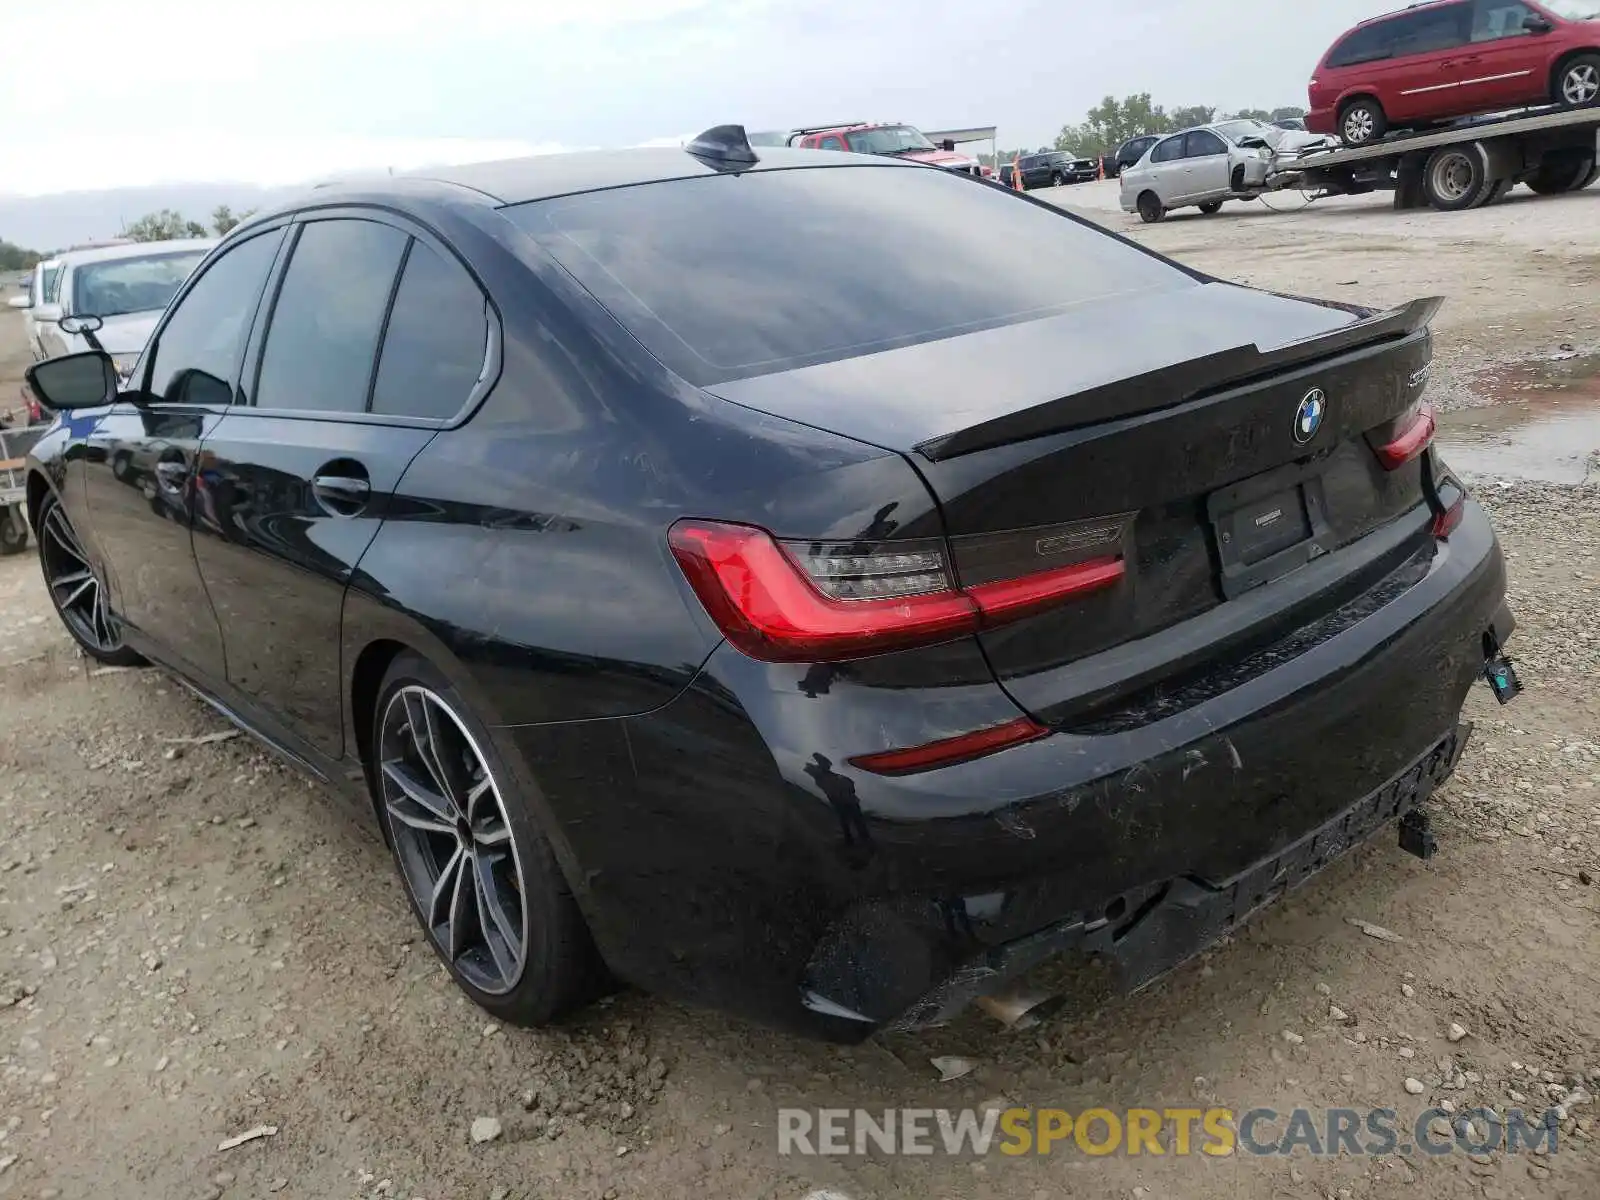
(193, 943)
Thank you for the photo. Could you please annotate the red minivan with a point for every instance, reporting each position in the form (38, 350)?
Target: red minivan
(1456, 58)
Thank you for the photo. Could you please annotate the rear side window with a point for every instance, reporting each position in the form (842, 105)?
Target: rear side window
(1368, 44)
(1430, 29)
(325, 323)
(728, 276)
(434, 349)
(199, 348)
(1170, 150)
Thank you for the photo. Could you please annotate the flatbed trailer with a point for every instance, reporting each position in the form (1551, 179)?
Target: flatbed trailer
(1465, 166)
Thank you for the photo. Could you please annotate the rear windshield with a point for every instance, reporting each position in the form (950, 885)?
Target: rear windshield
(727, 276)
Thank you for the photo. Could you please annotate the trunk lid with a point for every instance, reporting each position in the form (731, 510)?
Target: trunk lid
(1186, 452)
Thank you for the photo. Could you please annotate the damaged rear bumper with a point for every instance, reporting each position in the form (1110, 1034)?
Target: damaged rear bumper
(1164, 925)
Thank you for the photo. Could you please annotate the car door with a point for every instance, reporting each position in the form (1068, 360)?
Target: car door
(1205, 162)
(1511, 68)
(138, 464)
(1431, 60)
(1166, 171)
(50, 341)
(296, 481)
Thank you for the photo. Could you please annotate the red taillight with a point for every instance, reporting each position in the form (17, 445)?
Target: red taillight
(1406, 438)
(952, 750)
(808, 602)
(1451, 506)
(1445, 523)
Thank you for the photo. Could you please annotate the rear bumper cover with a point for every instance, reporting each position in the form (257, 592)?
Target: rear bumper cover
(726, 854)
(1164, 925)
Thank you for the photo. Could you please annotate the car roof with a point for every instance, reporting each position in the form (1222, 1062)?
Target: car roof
(135, 250)
(543, 176)
(1400, 12)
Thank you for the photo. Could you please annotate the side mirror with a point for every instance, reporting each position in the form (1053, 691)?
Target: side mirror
(87, 323)
(948, 144)
(1534, 23)
(47, 313)
(87, 380)
(22, 301)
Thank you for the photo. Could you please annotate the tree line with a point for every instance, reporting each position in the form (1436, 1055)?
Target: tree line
(161, 226)
(1111, 122)
(167, 224)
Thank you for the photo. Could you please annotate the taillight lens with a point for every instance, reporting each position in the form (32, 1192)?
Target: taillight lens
(823, 602)
(1400, 441)
(1453, 497)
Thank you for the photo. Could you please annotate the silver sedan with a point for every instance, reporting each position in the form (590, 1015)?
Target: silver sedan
(1208, 165)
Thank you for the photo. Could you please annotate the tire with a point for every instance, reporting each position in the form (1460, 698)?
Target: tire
(515, 883)
(1056, 180)
(1498, 192)
(1563, 172)
(1362, 122)
(1211, 207)
(13, 531)
(77, 592)
(1576, 82)
(1151, 209)
(1456, 178)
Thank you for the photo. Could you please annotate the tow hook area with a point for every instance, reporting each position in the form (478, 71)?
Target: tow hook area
(1502, 677)
(1416, 835)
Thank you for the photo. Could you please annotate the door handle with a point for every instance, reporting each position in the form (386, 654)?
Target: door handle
(341, 495)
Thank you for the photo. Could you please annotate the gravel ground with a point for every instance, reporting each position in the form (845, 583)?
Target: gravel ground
(195, 944)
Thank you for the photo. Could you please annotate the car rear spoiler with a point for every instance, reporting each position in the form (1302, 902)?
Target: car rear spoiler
(1180, 382)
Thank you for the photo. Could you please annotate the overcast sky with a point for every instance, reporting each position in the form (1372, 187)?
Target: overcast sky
(159, 92)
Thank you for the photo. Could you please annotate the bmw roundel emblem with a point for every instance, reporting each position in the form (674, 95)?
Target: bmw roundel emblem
(1308, 417)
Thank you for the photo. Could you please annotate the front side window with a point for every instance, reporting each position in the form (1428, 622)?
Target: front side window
(1170, 150)
(323, 335)
(890, 139)
(1496, 19)
(1203, 144)
(198, 350)
(831, 143)
(728, 276)
(131, 285)
(1431, 29)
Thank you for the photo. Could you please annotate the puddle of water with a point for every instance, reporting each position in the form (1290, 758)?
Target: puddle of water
(1543, 423)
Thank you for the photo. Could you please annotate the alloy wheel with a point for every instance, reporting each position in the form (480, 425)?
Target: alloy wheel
(1357, 126)
(1581, 83)
(76, 589)
(453, 840)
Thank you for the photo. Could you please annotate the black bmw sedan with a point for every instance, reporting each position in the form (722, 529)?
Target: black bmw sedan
(814, 586)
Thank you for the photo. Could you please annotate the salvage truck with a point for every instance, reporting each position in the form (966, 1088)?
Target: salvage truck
(1467, 165)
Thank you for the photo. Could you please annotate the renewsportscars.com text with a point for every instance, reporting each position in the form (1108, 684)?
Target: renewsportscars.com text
(1178, 1132)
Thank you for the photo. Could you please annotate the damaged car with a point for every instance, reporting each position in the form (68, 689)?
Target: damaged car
(1209, 165)
(702, 585)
